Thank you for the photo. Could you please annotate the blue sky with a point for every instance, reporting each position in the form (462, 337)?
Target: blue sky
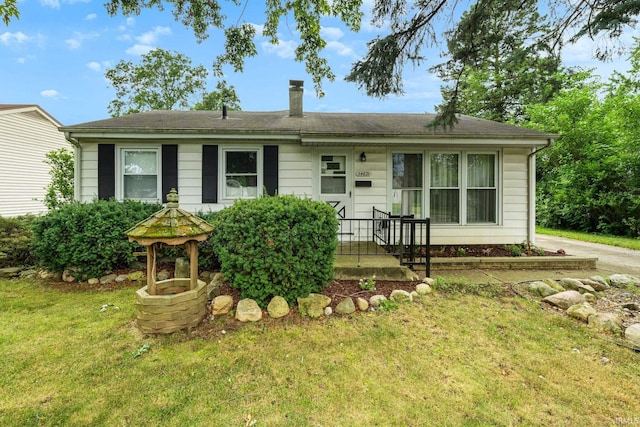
(56, 55)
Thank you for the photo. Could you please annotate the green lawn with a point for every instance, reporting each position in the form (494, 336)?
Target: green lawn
(450, 359)
(623, 242)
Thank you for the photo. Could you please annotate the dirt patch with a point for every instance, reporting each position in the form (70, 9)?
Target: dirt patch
(453, 251)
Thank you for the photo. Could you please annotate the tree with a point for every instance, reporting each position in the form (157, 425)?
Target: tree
(60, 189)
(9, 9)
(379, 73)
(590, 179)
(222, 96)
(162, 81)
(511, 69)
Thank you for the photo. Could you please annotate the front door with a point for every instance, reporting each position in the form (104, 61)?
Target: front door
(335, 184)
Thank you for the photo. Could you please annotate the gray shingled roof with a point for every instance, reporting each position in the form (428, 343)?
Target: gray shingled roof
(312, 124)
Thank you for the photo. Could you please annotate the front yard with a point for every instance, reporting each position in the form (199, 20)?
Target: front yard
(76, 358)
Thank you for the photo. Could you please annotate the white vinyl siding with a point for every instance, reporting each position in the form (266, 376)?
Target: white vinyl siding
(25, 139)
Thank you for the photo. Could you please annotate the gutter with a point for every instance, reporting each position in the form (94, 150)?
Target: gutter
(531, 188)
(77, 158)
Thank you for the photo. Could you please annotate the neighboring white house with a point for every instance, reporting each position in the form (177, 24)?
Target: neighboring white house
(27, 134)
(476, 181)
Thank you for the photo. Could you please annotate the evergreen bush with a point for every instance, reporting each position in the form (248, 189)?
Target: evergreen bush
(15, 239)
(281, 245)
(89, 237)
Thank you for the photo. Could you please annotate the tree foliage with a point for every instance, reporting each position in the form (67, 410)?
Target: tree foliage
(223, 96)
(60, 189)
(511, 68)
(203, 15)
(412, 28)
(590, 179)
(8, 10)
(164, 80)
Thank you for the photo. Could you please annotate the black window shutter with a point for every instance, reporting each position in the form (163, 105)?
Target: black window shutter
(106, 171)
(169, 169)
(270, 169)
(209, 174)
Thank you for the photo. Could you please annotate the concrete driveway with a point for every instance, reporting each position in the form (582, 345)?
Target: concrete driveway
(611, 259)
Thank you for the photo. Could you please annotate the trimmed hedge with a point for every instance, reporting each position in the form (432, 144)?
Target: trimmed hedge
(88, 236)
(281, 245)
(15, 239)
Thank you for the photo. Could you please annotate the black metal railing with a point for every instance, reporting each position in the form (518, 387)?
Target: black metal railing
(404, 237)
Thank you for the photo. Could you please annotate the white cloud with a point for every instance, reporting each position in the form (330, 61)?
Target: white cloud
(50, 93)
(76, 42)
(90, 17)
(340, 48)
(331, 33)
(55, 4)
(151, 37)
(8, 39)
(284, 49)
(139, 49)
(259, 29)
(95, 66)
(131, 21)
(21, 60)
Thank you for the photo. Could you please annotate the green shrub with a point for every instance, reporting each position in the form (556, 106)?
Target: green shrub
(88, 236)
(207, 259)
(282, 245)
(15, 238)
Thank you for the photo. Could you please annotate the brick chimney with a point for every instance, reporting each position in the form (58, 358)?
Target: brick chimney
(295, 98)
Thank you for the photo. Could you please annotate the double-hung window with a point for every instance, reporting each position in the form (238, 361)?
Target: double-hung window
(481, 188)
(444, 197)
(140, 179)
(241, 173)
(407, 184)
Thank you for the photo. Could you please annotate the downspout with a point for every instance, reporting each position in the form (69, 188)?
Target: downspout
(531, 188)
(77, 157)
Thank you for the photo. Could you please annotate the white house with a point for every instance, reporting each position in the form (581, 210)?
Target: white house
(476, 181)
(27, 134)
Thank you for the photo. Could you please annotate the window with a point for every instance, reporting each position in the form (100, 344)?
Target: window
(241, 178)
(445, 188)
(481, 188)
(333, 179)
(140, 174)
(407, 184)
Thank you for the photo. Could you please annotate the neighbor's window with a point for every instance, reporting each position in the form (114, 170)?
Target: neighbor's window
(140, 174)
(407, 184)
(240, 174)
(481, 188)
(445, 188)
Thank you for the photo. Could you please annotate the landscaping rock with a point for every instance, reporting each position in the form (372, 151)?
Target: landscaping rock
(423, 289)
(362, 304)
(9, 272)
(221, 305)
(591, 298)
(581, 311)
(248, 310)
(278, 307)
(597, 286)
(69, 276)
(215, 286)
(414, 295)
(570, 284)
(48, 275)
(554, 284)
(600, 280)
(134, 276)
(623, 280)
(313, 305)
(375, 300)
(586, 289)
(183, 268)
(632, 306)
(122, 278)
(28, 274)
(429, 281)
(399, 295)
(328, 311)
(632, 335)
(108, 279)
(346, 306)
(565, 299)
(541, 289)
(93, 281)
(162, 275)
(606, 322)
